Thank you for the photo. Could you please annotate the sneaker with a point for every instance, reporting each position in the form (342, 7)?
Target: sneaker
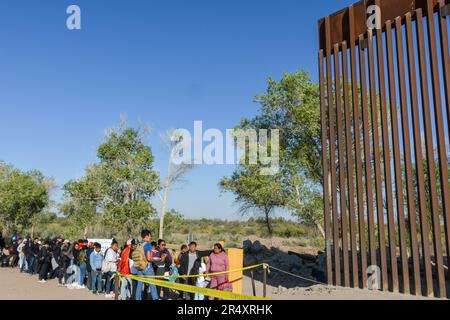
(42, 281)
(108, 296)
(79, 287)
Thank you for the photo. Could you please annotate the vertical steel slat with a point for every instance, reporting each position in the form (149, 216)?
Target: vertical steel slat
(397, 161)
(407, 150)
(445, 57)
(351, 191)
(431, 169)
(325, 179)
(341, 148)
(337, 262)
(338, 148)
(446, 66)
(387, 161)
(377, 162)
(367, 154)
(434, 65)
(358, 159)
(418, 156)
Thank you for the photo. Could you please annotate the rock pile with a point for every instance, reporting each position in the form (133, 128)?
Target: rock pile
(304, 265)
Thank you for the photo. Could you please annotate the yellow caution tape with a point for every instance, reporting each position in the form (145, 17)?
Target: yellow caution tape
(225, 295)
(207, 274)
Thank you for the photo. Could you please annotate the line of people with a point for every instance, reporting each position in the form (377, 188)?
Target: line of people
(83, 265)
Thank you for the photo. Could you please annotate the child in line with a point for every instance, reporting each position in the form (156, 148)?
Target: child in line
(201, 281)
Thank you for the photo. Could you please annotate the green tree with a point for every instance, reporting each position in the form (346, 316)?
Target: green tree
(292, 105)
(82, 199)
(23, 196)
(256, 193)
(119, 187)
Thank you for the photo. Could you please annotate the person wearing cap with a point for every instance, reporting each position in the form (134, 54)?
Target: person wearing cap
(64, 262)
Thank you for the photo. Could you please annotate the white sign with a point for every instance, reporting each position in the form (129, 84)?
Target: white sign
(106, 243)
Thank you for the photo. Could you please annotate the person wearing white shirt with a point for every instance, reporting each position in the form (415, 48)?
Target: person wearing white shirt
(201, 281)
(110, 267)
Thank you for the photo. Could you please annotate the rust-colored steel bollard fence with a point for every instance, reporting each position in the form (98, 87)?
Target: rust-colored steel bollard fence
(385, 115)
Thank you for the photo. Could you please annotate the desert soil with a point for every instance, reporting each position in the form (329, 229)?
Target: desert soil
(21, 286)
(322, 292)
(17, 286)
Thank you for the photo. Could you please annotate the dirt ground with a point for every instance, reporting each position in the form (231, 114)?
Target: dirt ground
(17, 286)
(321, 292)
(21, 286)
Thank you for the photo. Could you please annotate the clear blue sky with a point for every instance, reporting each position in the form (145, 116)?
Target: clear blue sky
(164, 63)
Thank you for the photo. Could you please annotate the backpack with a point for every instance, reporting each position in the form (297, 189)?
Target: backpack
(81, 258)
(139, 259)
(105, 264)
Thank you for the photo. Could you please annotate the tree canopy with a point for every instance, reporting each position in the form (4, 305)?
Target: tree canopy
(119, 187)
(23, 195)
(292, 106)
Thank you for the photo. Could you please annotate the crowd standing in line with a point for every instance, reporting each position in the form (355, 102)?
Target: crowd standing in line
(83, 265)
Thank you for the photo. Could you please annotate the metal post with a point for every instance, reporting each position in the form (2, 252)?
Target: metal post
(265, 281)
(116, 288)
(253, 283)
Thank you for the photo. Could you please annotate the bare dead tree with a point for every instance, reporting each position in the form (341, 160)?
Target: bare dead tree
(175, 174)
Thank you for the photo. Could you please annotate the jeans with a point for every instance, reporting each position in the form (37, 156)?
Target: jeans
(89, 278)
(96, 284)
(198, 296)
(82, 273)
(62, 273)
(31, 263)
(22, 262)
(54, 273)
(160, 272)
(126, 288)
(109, 285)
(147, 272)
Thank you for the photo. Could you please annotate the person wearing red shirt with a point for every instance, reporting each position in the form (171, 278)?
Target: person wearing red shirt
(126, 287)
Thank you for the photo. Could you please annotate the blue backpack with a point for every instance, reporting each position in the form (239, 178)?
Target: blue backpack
(174, 273)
